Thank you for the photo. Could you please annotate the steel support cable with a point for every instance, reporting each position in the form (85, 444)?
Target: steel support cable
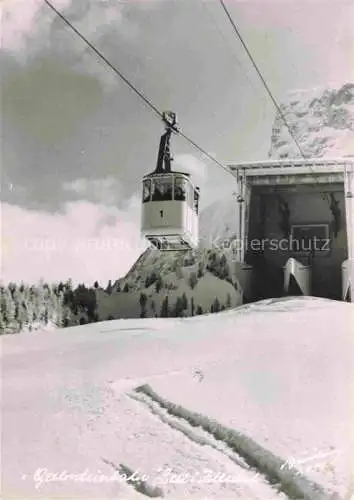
(227, 44)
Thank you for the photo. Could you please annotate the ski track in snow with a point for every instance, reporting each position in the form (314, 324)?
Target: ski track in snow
(183, 451)
(259, 466)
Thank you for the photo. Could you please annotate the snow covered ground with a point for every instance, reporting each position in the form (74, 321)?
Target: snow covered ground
(226, 404)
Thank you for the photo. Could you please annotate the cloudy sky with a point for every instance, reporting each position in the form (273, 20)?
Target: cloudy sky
(76, 141)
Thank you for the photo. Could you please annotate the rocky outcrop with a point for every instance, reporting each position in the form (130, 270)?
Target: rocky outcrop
(322, 121)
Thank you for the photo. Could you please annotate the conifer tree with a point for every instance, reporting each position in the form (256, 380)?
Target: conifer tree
(109, 287)
(153, 307)
(164, 308)
(193, 280)
(216, 305)
(184, 301)
(178, 307)
(2, 323)
(143, 302)
(200, 273)
(9, 309)
(158, 284)
(199, 310)
(192, 306)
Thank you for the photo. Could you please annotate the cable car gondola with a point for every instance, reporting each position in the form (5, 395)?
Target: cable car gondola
(170, 201)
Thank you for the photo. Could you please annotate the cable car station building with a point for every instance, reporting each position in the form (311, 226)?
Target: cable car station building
(296, 227)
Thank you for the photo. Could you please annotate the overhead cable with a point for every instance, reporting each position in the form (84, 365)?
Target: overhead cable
(281, 114)
(132, 87)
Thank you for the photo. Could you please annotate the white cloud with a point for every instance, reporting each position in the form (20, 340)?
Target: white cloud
(18, 21)
(30, 27)
(78, 186)
(88, 242)
(105, 191)
(33, 18)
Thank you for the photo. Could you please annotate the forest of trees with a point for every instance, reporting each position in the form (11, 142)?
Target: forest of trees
(26, 307)
(29, 307)
(181, 307)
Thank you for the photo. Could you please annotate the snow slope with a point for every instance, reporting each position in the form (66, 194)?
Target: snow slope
(279, 372)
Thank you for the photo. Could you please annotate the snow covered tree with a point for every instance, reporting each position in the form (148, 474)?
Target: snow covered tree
(39, 296)
(200, 273)
(150, 279)
(12, 287)
(46, 316)
(193, 280)
(214, 264)
(66, 316)
(224, 272)
(228, 301)
(58, 309)
(2, 323)
(69, 284)
(158, 284)
(8, 307)
(22, 315)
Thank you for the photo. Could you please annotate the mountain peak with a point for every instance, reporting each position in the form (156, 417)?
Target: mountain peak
(322, 121)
